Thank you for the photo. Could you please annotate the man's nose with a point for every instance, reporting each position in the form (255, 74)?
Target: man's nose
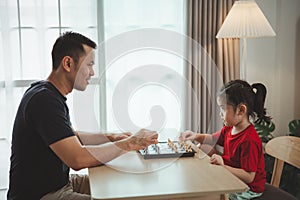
(92, 72)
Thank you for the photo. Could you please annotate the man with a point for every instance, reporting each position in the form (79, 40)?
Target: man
(44, 145)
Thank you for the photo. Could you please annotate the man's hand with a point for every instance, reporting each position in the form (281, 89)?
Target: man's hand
(115, 136)
(142, 139)
(187, 135)
(216, 159)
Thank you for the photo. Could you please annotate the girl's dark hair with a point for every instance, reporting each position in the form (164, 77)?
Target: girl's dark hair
(70, 44)
(253, 96)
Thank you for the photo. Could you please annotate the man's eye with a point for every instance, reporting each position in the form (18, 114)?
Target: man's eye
(90, 64)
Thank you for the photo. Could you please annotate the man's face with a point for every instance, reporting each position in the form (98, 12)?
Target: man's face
(85, 69)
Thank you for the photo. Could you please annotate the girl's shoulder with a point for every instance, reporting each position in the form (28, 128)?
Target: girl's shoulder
(226, 129)
(252, 134)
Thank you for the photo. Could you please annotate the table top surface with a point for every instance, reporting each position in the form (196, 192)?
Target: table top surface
(130, 176)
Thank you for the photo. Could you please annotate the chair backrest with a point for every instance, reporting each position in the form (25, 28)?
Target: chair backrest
(283, 149)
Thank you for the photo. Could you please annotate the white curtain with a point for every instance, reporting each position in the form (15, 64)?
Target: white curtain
(28, 29)
(147, 69)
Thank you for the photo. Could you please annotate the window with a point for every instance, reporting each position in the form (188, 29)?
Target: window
(29, 28)
(135, 99)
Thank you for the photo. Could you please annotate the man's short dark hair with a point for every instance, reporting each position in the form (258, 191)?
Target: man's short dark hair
(70, 44)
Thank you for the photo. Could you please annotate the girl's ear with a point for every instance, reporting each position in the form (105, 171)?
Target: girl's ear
(242, 109)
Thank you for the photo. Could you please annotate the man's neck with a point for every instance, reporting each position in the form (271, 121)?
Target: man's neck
(60, 83)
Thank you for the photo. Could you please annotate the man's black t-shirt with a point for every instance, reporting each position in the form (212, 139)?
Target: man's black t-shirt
(42, 119)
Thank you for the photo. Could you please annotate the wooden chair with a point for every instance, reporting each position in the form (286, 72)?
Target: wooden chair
(283, 149)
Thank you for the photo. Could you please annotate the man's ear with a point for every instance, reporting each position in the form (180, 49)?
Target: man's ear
(67, 62)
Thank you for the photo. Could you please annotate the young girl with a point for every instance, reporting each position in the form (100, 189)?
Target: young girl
(243, 152)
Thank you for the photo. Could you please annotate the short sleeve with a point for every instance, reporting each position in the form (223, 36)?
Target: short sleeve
(249, 156)
(49, 117)
(218, 137)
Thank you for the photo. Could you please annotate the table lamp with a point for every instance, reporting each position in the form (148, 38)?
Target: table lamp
(245, 20)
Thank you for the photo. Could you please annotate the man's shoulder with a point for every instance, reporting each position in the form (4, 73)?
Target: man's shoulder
(42, 90)
(40, 96)
(40, 86)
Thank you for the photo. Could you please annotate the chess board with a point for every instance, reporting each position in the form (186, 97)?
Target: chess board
(167, 150)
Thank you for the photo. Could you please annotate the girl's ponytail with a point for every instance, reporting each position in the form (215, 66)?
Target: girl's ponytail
(259, 102)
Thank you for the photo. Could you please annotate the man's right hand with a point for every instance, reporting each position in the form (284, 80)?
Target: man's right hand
(78, 156)
(142, 139)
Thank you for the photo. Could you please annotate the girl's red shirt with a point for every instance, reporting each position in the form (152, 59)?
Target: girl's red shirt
(244, 150)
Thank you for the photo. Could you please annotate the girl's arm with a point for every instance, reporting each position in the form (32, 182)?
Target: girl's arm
(199, 137)
(206, 140)
(246, 177)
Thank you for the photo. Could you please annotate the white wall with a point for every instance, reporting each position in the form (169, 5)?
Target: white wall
(276, 61)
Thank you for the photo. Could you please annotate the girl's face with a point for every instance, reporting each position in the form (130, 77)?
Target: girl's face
(227, 113)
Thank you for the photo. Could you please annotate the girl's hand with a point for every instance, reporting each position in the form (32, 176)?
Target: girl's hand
(187, 135)
(216, 159)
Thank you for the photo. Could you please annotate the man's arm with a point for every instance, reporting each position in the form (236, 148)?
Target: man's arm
(77, 156)
(100, 138)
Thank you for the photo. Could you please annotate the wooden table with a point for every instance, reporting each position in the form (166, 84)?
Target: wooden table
(132, 177)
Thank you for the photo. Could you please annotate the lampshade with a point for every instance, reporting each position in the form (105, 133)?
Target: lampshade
(245, 20)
